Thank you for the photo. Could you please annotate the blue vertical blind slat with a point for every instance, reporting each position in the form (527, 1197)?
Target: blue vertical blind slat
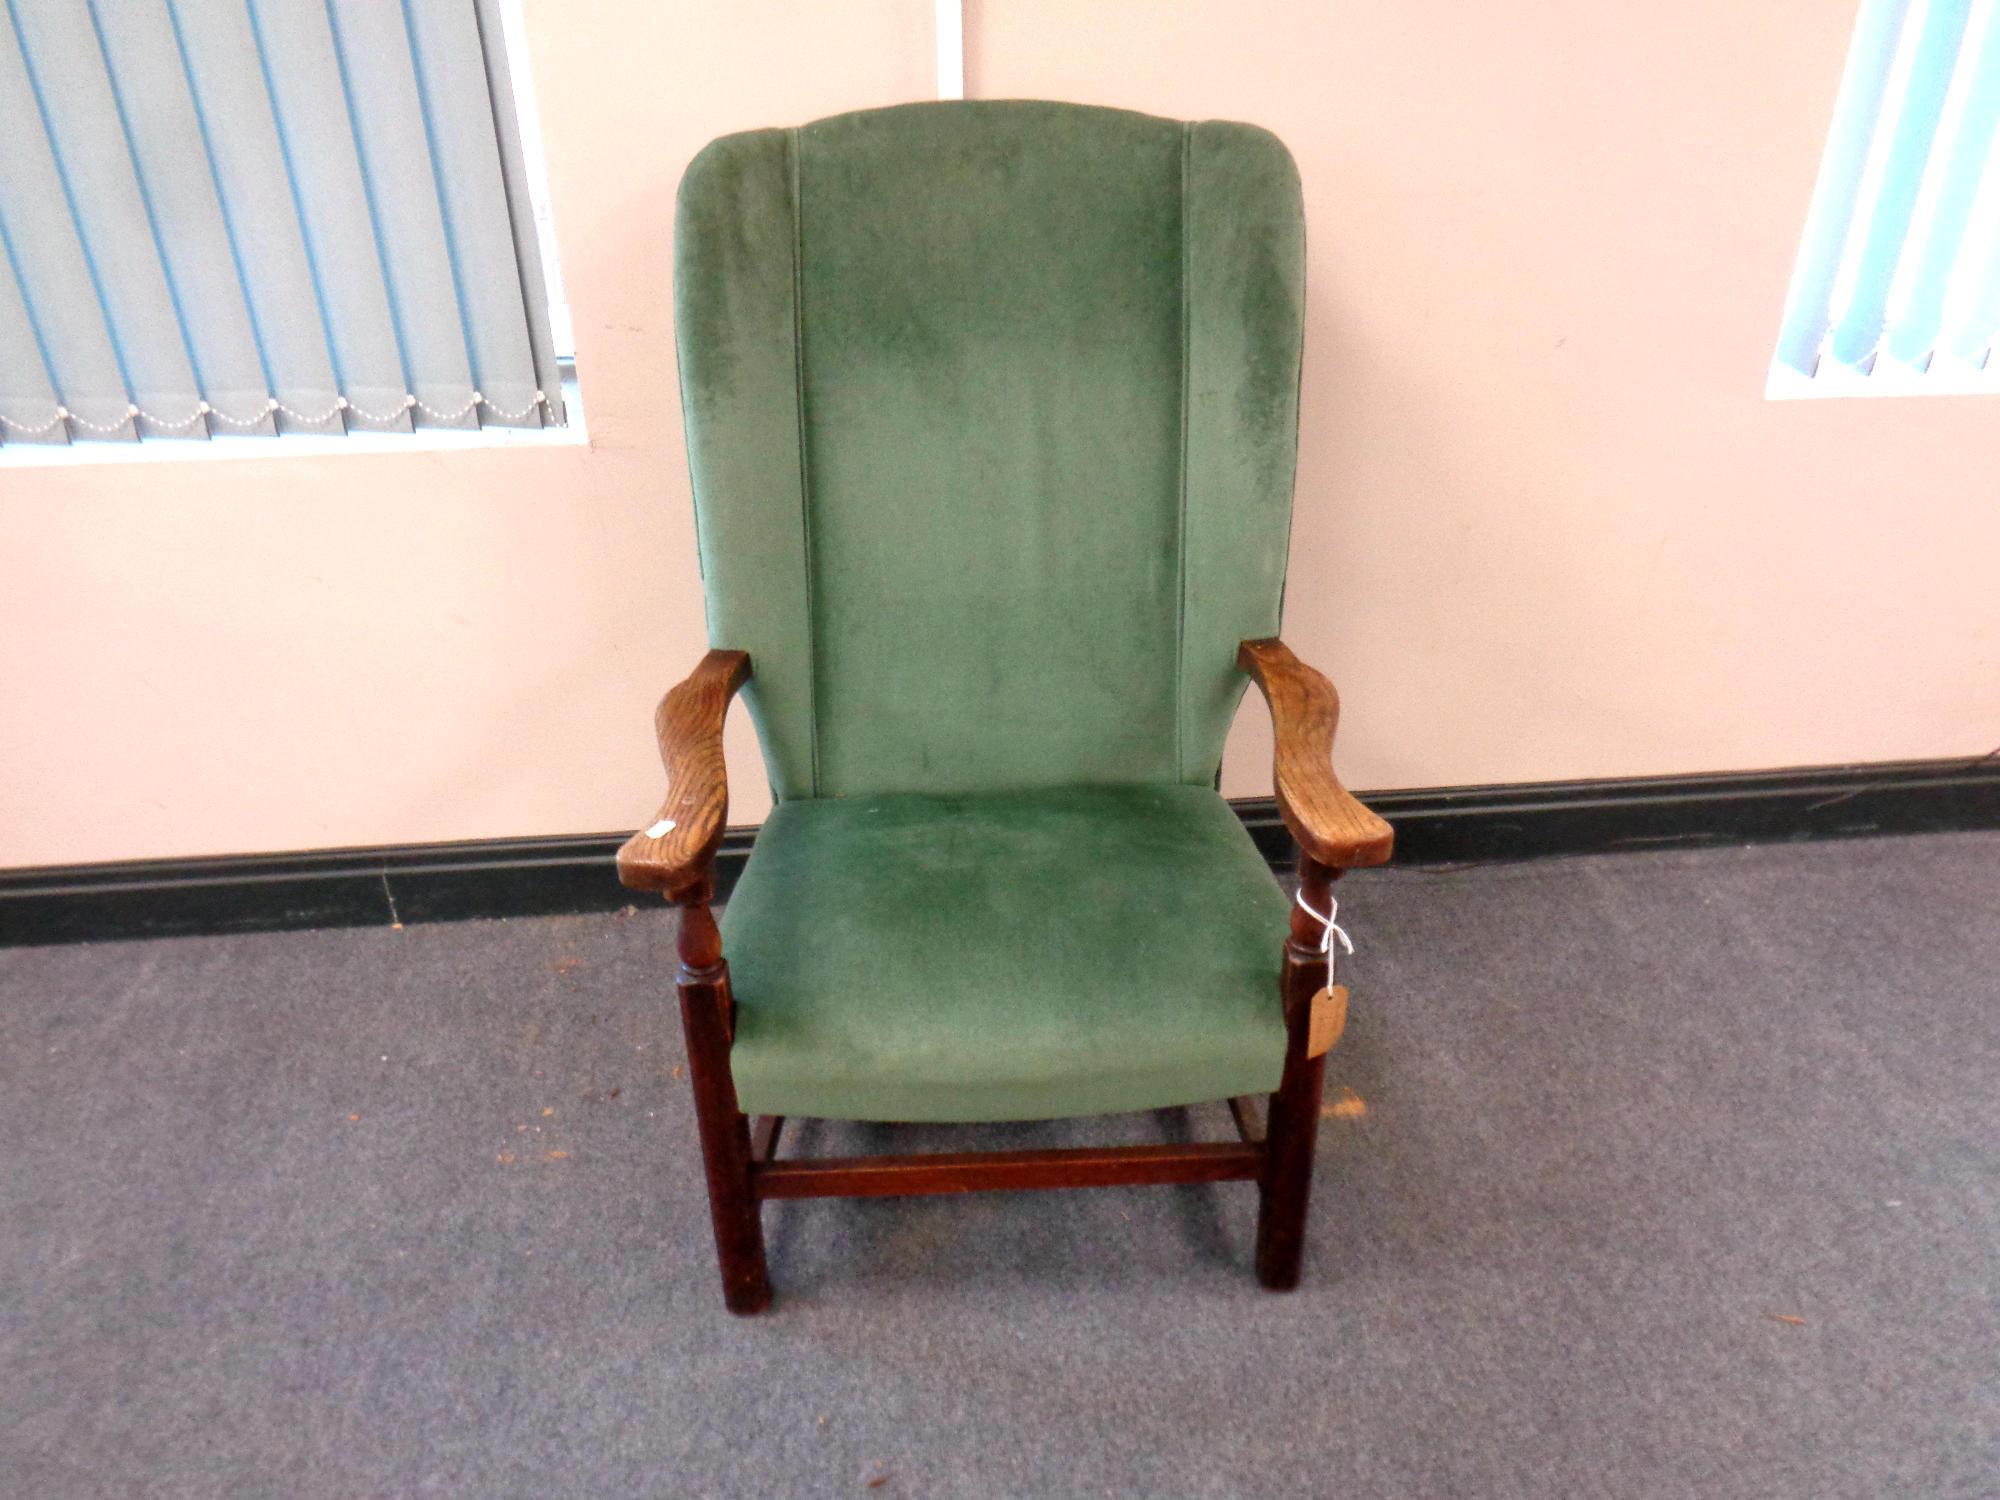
(1973, 300)
(464, 145)
(302, 66)
(256, 216)
(27, 396)
(1870, 64)
(225, 71)
(381, 81)
(86, 129)
(1897, 273)
(1971, 314)
(48, 260)
(536, 289)
(185, 211)
(1915, 131)
(1959, 170)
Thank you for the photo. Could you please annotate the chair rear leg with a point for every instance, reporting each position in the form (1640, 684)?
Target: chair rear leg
(1292, 1125)
(706, 1016)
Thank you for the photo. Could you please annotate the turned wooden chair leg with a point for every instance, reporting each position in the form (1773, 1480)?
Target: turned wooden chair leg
(1292, 1126)
(707, 1016)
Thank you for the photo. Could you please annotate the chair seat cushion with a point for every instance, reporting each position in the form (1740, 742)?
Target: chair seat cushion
(1007, 956)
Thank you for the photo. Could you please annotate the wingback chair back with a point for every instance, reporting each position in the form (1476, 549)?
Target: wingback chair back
(991, 411)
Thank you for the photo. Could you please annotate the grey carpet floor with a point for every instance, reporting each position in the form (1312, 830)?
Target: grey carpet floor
(1670, 1174)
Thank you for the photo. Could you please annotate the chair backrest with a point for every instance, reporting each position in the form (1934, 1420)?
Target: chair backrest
(992, 414)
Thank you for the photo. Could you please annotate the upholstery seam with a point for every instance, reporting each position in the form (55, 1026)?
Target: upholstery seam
(805, 476)
(1180, 543)
(1298, 382)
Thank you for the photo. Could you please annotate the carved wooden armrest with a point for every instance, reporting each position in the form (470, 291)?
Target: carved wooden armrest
(674, 854)
(1328, 823)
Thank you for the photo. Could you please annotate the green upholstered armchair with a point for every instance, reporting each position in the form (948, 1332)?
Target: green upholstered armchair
(992, 412)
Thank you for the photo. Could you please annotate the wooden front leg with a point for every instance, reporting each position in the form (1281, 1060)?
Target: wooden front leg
(708, 1017)
(1292, 1129)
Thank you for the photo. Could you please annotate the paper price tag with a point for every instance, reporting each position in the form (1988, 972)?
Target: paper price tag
(1327, 1020)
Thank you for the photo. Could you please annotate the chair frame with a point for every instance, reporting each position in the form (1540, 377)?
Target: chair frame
(675, 857)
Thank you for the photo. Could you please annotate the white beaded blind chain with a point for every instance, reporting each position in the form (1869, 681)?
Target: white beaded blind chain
(272, 404)
(1329, 928)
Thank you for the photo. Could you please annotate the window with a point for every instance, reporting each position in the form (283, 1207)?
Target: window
(1897, 287)
(257, 218)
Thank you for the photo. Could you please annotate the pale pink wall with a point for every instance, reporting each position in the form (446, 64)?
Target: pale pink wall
(1547, 527)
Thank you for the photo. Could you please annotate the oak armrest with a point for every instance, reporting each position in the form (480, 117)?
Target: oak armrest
(1328, 823)
(674, 853)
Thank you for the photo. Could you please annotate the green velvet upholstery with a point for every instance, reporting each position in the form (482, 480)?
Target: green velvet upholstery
(1008, 956)
(991, 412)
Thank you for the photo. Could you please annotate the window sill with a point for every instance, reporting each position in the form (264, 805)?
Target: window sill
(1891, 378)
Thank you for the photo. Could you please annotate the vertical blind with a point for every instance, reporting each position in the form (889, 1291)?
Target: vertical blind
(1898, 278)
(264, 216)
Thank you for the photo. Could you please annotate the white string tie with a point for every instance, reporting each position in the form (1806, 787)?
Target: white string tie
(1330, 929)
